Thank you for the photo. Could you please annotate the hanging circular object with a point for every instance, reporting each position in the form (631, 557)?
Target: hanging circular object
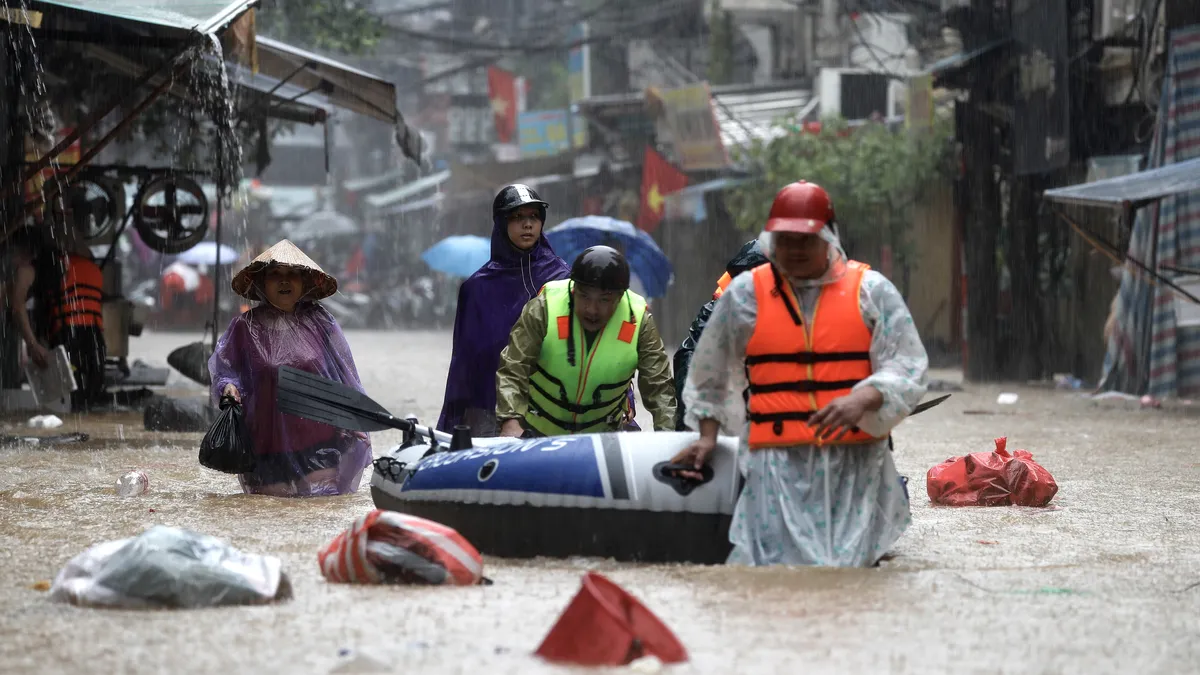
(171, 213)
(92, 205)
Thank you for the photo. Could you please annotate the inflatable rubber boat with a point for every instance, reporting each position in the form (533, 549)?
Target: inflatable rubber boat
(607, 495)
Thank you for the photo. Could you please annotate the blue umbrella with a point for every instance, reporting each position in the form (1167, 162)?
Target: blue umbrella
(459, 256)
(647, 261)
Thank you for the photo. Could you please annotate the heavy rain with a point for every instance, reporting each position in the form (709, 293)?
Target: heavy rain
(871, 351)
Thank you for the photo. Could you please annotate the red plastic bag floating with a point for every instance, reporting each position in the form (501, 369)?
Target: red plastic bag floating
(995, 478)
(385, 547)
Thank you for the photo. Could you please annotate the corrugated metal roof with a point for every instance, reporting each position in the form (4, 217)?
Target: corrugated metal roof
(747, 117)
(204, 16)
(744, 113)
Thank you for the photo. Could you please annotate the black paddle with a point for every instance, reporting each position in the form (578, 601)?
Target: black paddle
(316, 398)
(321, 400)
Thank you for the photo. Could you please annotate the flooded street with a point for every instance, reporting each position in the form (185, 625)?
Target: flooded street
(1103, 581)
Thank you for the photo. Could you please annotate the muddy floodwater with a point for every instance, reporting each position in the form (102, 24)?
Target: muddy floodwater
(1107, 580)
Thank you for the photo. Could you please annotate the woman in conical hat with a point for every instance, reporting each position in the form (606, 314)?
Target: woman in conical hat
(294, 457)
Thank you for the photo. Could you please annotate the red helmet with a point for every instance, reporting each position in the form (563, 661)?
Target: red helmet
(800, 207)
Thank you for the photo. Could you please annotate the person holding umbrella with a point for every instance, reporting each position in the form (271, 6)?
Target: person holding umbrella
(831, 361)
(490, 301)
(573, 353)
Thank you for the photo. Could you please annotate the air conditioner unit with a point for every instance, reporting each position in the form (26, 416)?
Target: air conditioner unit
(1113, 16)
(855, 94)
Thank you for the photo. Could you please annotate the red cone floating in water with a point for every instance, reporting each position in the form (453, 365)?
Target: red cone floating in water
(605, 626)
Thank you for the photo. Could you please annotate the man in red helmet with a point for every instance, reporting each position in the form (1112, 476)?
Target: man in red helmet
(830, 361)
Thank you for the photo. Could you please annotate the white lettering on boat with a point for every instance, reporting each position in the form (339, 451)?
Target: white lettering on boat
(542, 444)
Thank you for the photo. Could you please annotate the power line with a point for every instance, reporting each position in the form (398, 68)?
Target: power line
(870, 48)
(617, 32)
(537, 48)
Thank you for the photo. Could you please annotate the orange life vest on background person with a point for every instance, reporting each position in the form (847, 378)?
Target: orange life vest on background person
(795, 369)
(722, 284)
(80, 297)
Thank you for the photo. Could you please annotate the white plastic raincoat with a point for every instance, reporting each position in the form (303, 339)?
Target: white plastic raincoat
(841, 506)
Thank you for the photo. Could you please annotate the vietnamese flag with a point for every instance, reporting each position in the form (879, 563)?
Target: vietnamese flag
(659, 179)
(502, 92)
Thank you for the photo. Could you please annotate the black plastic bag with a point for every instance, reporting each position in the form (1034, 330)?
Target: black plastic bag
(226, 447)
(747, 258)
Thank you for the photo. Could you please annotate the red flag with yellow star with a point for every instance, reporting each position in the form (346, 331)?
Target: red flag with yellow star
(502, 93)
(659, 179)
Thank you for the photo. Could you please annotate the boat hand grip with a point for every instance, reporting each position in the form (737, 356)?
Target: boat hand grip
(666, 472)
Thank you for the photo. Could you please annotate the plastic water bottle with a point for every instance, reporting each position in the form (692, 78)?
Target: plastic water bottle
(133, 484)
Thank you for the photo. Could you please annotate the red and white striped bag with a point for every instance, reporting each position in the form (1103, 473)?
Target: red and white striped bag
(388, 547)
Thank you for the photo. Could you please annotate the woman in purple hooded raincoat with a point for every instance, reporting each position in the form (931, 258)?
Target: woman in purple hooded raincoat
(489, 303)
(294, 457)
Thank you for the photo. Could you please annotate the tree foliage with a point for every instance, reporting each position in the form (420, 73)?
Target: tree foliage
(548, 80)
(874, 175)
(720, 42)
(342, 26)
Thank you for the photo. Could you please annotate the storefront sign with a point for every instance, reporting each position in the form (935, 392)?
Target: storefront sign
(689, 113)
(544, 133)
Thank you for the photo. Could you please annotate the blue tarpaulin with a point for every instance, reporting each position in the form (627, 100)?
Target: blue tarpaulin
(1135, 189)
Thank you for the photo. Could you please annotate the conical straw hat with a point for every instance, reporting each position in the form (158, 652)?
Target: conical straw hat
(317, 284)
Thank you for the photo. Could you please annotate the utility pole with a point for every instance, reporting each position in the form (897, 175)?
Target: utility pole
(12, 154)
(1180, 13)
(977, 134)
(829, 39)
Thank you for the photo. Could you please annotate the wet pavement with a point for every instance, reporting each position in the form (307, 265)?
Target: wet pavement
(1106, 580)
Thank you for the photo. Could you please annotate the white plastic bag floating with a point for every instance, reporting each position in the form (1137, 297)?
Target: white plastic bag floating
(169, 567)
(45, 422)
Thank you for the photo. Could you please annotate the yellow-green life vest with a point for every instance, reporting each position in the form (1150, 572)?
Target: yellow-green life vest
(588, 397)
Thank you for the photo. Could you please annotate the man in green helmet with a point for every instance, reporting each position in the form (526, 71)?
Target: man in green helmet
(574, 350)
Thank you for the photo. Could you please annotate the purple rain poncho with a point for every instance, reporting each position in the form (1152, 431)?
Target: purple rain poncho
(489, 303)
(295, 457)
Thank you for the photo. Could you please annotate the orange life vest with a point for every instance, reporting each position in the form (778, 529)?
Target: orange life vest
(79, 302)
(722, 284)
(796, 369)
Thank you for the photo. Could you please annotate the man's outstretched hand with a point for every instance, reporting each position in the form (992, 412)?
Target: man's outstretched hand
(842, 414)
(696, 454)
(512, 428)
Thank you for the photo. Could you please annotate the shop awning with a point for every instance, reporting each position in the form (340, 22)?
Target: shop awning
(409, 207)
(1132, 190)
(344, 86)
(281, 101)
(384, 201)
(372, 183)
(202, 16)
(688, 203)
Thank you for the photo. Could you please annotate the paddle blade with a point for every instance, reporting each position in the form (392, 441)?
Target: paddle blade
(929, 404)
(322, 400)
(291, 403)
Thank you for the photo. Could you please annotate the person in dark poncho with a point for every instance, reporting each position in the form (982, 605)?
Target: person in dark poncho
(749, 257)
(489, 303)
